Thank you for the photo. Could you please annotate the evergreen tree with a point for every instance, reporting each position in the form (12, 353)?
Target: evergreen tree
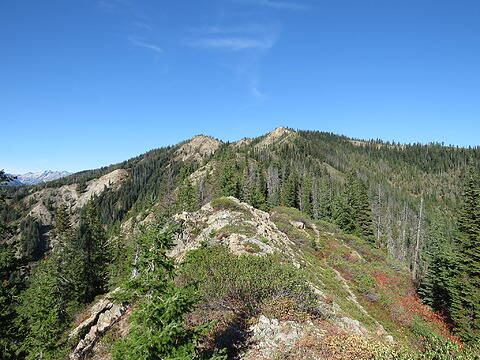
(358, 214)
(187, 196)
(343, 213)
(254, 188)
(55, 289)
(63, 225)
(289, 191)
(469, 220)
(440, 260)
(229, 180)
(42, 312)
(439, 285)
(33, 244)
(67, 258)
(93, 253)
(465, 308)
(364, 212)
(10, 335)
(9, 287)
(306, 196)
(158, 328)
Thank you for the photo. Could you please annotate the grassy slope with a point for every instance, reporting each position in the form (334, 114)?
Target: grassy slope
(381, 285)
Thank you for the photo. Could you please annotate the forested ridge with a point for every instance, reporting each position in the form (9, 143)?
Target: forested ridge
(419, 203)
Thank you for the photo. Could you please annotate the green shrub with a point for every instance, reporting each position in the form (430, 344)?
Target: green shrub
(253, 248)
(421, 329)
(365, 282)
(224, 203)
(246, 282)
(293, 214)
(436, 348)
(298, 236)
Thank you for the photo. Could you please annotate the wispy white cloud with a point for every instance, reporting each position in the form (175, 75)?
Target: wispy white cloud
(274, 4)
(240, 29)
(234, 38)
(233, 43)
(112, 5)
(283, 5)
(141, 43)
(255, 90)
(249, 42)
(142, 25)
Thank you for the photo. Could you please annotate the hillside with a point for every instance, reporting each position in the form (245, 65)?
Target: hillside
(397, 177)
(281, 285)
(303, 245)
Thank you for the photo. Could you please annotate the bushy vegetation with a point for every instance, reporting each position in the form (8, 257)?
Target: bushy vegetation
(246, 282)
(223, 203)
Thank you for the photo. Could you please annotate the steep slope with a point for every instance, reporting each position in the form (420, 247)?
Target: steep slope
(361, 302)
(72, 197)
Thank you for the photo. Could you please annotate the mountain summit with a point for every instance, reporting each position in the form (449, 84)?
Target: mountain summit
(32, 178)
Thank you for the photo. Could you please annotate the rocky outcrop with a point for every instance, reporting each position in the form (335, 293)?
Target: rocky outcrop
(243, 142)
(70, 196)
(277, 136)
(241, 228)
(298, 224)
(197, 148)
(41, 213)
(272, 337)
(103, 315)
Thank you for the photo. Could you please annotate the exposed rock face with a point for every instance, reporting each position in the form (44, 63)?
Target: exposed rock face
(277, 136)
(298, 224)
(202, 172)
(270, 337)
(243, 229)
(104, 314)
(70, 196)
(243, 142)
(352, 325)
(197, 148)
(41, 213)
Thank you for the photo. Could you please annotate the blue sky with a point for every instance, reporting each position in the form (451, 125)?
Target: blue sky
(87, 83)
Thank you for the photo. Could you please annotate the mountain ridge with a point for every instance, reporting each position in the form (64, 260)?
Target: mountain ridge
(33, 178)
(356, 220)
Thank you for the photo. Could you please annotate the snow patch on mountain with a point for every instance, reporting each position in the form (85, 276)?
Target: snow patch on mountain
(32, 178)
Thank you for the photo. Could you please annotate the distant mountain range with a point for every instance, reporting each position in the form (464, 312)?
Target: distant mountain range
(31, 178)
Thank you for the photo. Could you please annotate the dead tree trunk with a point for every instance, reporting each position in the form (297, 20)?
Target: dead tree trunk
(416, 252)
